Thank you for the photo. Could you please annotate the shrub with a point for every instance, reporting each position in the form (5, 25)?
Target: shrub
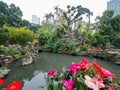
(116, 42)
(84, 47)
(99, 40)
(43, 35)
(19, 35)
(3, 36)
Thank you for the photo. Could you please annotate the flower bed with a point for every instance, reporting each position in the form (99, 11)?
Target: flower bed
(82, 76)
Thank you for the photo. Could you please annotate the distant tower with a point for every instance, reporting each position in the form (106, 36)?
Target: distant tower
(35, 20)
(114, 5)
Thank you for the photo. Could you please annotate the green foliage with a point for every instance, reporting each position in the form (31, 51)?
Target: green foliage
(43, 34)
(56, 46)
(11, 15)
(99, 40)
(70, 47)
(49, 45)
(10, 51)
(116, 42)
(3, 49)
(83, 47)
(3, 67)
(19, 35)
(14, 16)
(86, 33)
(3, 36)
(70, 17)
(105, 22)
(109, 24)
(59, 32)
(32, 27)
(7, 50)
(115, 23)
(109, 29)
(25, 23)
(3, 13)
(53, 46)
(59, 47)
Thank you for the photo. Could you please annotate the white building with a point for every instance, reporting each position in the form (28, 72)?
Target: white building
(114, 5)
(35, 19)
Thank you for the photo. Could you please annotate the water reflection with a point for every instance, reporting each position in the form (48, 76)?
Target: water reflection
(32, 77)
(35, 83)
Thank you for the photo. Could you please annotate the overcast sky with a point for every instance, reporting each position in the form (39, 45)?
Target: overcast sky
(41, 7)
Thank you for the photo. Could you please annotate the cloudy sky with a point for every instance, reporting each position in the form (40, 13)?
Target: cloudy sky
(41, 7)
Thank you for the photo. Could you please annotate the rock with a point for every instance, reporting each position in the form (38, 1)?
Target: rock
(8, 59)
(27, 61)
(2, 56)
(3, 73)
(117, 62)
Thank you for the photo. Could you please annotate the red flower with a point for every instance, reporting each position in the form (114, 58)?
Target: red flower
(51, 72)
(97, 67)
(107, 73)
(95, 49)
(84, 64)
(1, 81)
(101, 71)
(15, 85)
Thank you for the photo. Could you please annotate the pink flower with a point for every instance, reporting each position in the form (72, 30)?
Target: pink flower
(51, 72)
(106, 73)
(95, 49)
(73, 67)
(1, 81)
(67, 84)
(94, 83)
(84, 64)
(110, 89)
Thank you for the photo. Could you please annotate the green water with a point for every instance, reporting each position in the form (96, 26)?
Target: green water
(33, 76)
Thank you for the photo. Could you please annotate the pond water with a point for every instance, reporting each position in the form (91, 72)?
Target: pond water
(33, 76)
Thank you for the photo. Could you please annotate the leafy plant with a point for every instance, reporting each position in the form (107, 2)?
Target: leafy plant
(43, 34)
(19, 35)
(3, 36)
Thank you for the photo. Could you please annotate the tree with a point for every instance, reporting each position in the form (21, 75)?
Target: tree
(105, 22)
(3, 13)
(115, 23)
(43, 34)
(25, 23)
(49, 17)
(71, 16)
(109, 27)
(14, 16)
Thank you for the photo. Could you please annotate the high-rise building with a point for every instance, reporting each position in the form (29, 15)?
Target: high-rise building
(35, 20)
(114, 5)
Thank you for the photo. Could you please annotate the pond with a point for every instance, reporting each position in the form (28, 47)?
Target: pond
(33, 76)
